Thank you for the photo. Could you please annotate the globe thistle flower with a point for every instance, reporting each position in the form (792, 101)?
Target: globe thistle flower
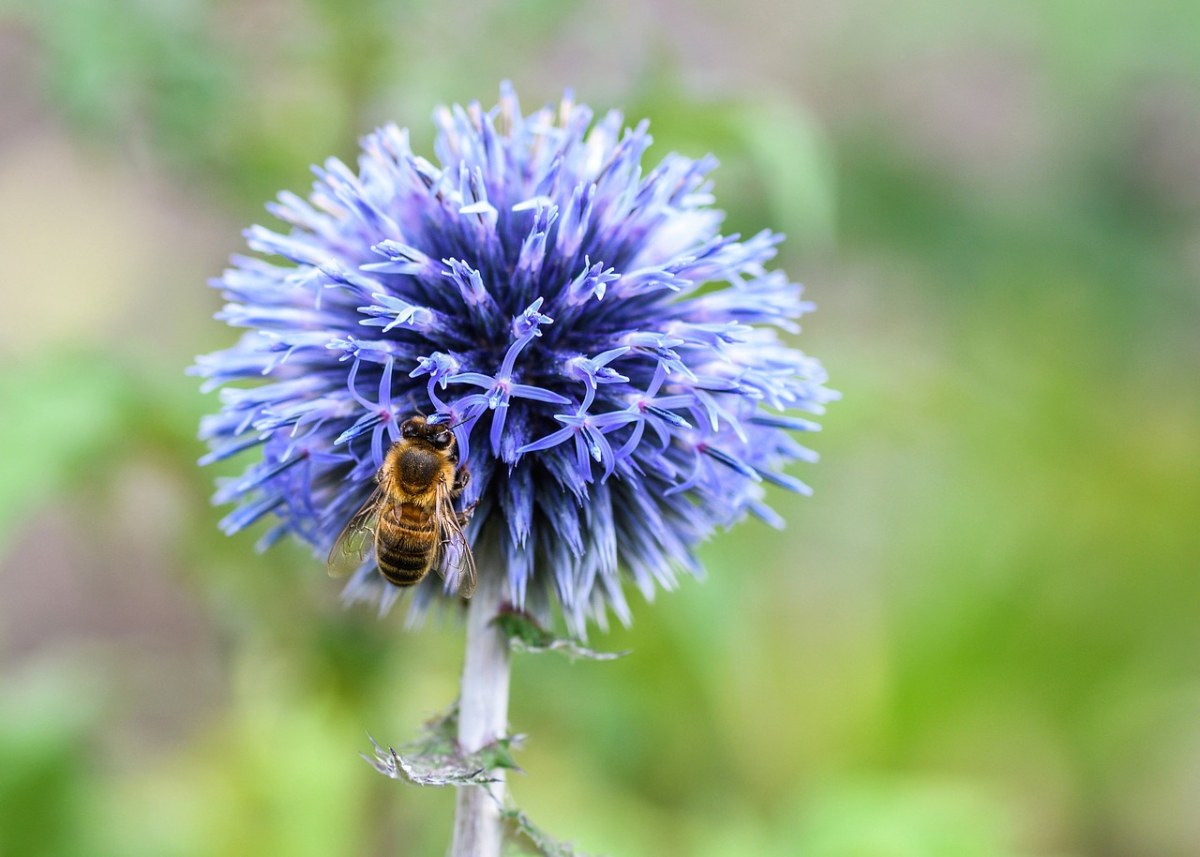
(611, 363)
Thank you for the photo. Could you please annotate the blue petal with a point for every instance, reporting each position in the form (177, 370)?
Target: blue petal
(549, 441)
(539, 394)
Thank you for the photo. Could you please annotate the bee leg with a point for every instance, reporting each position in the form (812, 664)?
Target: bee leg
(461, 478)
(465, 514)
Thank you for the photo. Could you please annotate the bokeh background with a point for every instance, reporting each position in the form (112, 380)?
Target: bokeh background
(980, 637)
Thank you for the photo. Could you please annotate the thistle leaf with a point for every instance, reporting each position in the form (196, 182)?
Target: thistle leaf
(422, 770)
(532, 835)
(435, 759)
(526, 635)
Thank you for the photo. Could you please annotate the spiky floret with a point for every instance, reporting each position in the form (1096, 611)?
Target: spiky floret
(611, 362)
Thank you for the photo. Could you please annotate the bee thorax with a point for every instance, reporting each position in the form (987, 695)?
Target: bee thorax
(418, 468)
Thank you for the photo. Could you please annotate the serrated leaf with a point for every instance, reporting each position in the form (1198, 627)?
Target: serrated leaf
(439, 734)
(542, 842)
(426, 770)
(435, 759)
(499, 754)
(526, 635)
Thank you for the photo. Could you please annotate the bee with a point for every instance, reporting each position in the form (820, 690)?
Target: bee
(409, 521)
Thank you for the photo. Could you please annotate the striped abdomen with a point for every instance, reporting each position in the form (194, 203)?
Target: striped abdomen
(405, 540)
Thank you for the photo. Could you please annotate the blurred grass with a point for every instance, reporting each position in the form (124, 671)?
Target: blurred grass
(978, 638)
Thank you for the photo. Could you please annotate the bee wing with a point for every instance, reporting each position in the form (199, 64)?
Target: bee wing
(357, 539)
(453, 558)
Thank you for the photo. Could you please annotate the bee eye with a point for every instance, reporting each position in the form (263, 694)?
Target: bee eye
(408, 428)
(442, 440)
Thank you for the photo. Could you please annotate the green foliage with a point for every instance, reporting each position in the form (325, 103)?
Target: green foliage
(907, 820)
(47, 721)
(273, 777)
(74, 410)
(117, 64)
(435, 759)
(528, 833)
(775, 156)
(526, 635)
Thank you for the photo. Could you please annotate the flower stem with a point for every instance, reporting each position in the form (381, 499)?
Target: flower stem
(482, 719)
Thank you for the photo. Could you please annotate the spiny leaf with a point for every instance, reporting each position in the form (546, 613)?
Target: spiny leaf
(543, 843)
(439, 734)
(424, 770)
(435, 759)
(498, 754)
(526, 635)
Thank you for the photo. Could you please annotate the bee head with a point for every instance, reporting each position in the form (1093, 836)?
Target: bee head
(413, 427)
(436, 434)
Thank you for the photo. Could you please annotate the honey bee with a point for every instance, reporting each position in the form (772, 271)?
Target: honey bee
(409, 521)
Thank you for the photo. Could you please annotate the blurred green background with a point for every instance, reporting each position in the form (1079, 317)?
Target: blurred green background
(980, 637)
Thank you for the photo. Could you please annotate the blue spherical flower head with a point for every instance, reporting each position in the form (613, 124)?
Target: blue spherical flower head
(612, 365)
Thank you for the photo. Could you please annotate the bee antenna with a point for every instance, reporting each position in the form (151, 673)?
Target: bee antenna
(436, 419)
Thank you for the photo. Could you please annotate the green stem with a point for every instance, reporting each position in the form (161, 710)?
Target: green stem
(482, 719)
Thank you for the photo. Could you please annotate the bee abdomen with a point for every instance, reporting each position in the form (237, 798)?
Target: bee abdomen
(402, 567)
(404, 545)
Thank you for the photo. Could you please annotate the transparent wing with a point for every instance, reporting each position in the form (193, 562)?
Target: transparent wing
(453, 558)
(357, 539)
